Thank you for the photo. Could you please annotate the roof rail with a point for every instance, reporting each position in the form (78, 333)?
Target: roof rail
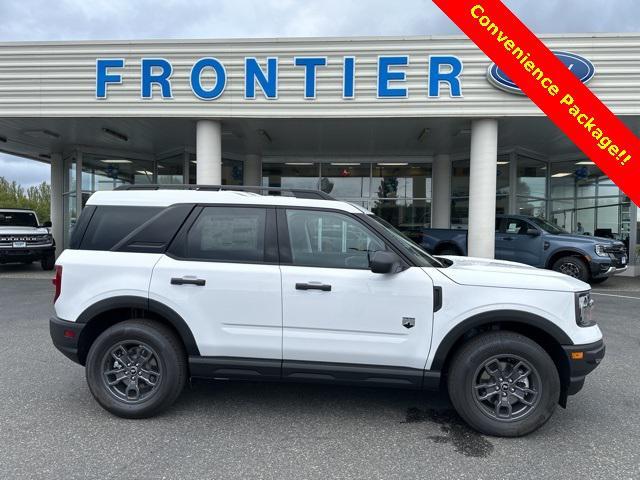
(285, 192)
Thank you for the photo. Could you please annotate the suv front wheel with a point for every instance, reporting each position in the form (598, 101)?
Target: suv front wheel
(503, 384)
(136, 368)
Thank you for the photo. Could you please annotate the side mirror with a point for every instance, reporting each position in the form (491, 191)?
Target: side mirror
(46, 224)
(534, 232)
(385, 262)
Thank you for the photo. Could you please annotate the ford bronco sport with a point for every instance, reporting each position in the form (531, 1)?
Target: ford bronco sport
(162, 284)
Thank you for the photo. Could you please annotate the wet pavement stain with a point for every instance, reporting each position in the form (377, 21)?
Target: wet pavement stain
(464, 440)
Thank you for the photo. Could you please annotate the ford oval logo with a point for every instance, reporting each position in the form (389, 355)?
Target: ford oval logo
(580, 66)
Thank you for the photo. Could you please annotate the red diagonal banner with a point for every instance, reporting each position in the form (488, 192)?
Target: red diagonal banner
(551, 86)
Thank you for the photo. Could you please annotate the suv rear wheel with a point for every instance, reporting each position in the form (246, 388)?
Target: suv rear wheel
(503, 384)
(136, 369)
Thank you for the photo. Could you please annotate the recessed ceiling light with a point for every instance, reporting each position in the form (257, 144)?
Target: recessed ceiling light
(298, 163)
(387, 164)
(116, 160)
(144, 172)
(585, 162)
(345, 164)
(503, 163)
(561, 174)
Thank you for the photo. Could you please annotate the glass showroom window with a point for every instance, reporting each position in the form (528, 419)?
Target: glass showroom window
(585, 201)
(531, 188)
(291, 175)
(460, 190)
(401, 194)
(350, 181)
(170, 170)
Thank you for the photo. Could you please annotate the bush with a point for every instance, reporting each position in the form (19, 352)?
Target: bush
(36, 198)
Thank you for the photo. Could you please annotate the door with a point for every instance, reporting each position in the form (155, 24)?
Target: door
(338, 316)
(221, 276)
(513, 243)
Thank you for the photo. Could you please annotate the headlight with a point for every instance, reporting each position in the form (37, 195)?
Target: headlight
(584, 308)
(600, 250)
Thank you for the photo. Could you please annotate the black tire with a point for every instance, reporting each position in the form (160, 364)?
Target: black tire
(48, 262)
(573, 266)
(482, 350)
(166, 365)
(596, 281)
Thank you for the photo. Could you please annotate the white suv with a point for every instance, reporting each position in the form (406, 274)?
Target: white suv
(163, 284)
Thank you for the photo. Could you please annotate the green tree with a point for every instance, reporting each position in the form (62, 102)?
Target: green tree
(36, 198)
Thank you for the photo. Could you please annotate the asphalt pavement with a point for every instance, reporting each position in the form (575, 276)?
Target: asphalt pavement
(50, 426)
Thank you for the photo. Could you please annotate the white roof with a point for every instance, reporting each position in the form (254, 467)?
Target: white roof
(164, 198)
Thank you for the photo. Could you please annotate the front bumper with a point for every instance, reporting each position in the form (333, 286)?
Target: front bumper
(28, 253)
(65, 336)
(602, 269)
(582, 360)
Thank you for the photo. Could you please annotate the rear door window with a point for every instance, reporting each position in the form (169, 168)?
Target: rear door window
(228, 234)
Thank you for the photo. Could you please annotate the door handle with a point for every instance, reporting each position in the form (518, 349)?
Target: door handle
(313, 286)
(188, 281)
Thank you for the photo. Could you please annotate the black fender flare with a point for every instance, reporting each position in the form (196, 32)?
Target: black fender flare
(146, 305)
(498, 316)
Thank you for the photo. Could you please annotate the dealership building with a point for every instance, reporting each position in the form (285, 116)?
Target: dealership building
(420, 130)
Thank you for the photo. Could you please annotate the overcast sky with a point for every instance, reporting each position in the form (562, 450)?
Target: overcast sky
(22, 20)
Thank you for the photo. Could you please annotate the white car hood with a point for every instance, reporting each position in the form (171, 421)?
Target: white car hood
(484, 272)
(23, 231)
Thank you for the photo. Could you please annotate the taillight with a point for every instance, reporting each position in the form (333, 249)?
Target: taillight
(57, 282)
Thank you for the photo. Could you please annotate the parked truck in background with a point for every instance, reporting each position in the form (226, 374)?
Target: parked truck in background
(536, 242)
(24, 240)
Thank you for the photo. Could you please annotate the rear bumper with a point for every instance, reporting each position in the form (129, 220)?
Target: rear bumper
(579, 368)
(65, 336)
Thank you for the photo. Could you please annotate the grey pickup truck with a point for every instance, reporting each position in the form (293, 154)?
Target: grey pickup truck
(536, 242)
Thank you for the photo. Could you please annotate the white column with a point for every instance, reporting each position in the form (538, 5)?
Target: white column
(482, 188)
(441, 191)
(252, 169)
(209, 152)
(57, 203)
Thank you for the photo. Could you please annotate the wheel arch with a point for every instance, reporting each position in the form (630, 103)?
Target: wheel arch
(106, 313)
(566, 252)
(542, 331)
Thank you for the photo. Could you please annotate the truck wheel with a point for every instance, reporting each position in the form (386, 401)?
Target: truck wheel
(136, 369)
(48, 262)
(572, 266)
(503, 384)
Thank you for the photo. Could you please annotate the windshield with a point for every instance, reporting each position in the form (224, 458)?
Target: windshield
(417, 254)
(547, 226)
(18, 219)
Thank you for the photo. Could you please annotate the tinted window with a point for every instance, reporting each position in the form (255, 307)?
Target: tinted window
(18, 219)
(109, 225)
(228, 234)
(327, 239)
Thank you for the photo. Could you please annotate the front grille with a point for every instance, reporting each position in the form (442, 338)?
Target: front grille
(29, 239)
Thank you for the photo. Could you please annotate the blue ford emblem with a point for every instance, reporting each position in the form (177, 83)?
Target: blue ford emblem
(580, 66)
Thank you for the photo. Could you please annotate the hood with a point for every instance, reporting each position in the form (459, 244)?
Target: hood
(484, 272)
(23, 231)
(587, 239)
